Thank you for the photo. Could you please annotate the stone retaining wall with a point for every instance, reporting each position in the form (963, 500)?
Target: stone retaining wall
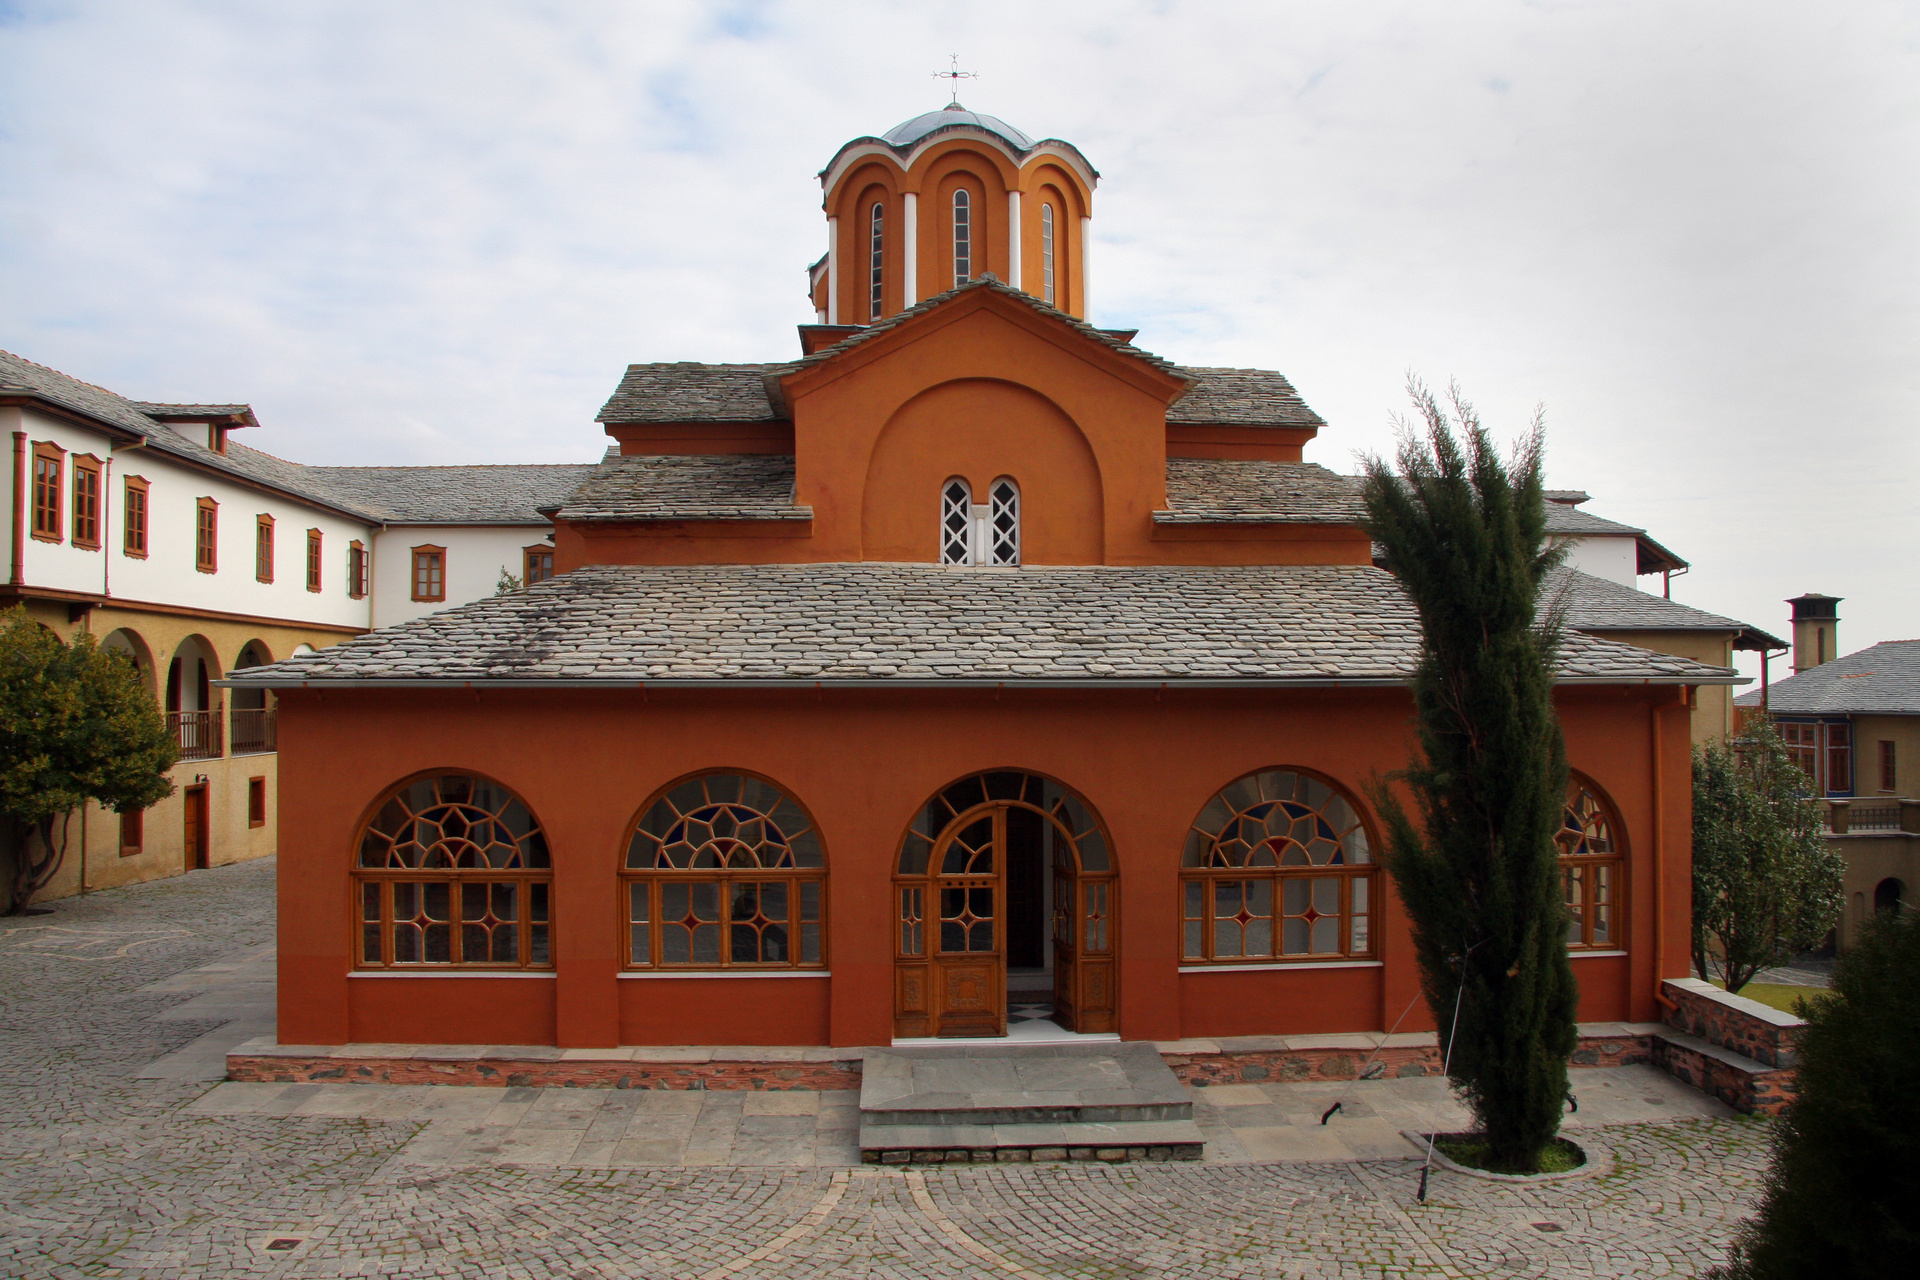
(1629, 1047)
(1741, 1051)
(545, 1073)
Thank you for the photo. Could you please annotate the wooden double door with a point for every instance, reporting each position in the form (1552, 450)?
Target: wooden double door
(975, 875)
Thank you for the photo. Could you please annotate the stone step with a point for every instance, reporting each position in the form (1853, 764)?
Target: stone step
(1000, 1085)
(1152, 1140)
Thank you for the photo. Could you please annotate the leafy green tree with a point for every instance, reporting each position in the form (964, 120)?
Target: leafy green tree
(1766, 885)
(1842, 1195)
(1465, 533)
(76, 724)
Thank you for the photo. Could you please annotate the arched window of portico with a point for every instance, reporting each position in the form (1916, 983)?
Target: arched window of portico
(453, 870)
(1592, 863)
(1278, 867)
(724, 870)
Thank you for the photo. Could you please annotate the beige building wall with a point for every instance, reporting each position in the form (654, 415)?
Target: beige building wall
(95, 859)
(1873, 857)
(1868, 733)
(1713, 705)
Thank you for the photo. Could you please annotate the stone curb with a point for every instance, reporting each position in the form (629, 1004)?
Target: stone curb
(1599, 1162)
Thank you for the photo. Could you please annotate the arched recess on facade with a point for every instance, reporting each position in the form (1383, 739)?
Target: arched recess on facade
(451, 869)
(1278, 867)
(1048, 186)
(724, 869)
(250, 716)
(1593, 866)
(194, 666)
(983, 429)
(1004, 876)
(134, 645)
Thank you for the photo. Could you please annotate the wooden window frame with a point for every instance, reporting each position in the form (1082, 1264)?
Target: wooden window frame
(314, 546)
(356, 570)
(263, 548)
(85, 514)
(257, 800)
(654, 883)
(1591, 868)
(1836, 751)
(1889, 766)
(375, 888)
(439, 570)
(206, 535)
(49, 491)
(133, 538)
(133, 823)
(1205, 871)
(529, 570)
(1802, 739)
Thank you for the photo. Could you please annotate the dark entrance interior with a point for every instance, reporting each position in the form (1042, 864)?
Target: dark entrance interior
(1026, 893)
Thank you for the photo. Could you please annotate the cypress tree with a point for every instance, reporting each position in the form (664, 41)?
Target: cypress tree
(1465, 533)
(1842, 1196)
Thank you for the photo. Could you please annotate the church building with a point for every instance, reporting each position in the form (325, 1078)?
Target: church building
(974, 671)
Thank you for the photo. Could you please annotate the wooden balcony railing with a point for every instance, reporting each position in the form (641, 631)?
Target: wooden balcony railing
(251, 730)
(197, 732)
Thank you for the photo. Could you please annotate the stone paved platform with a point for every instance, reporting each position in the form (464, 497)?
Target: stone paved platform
(106, 1173)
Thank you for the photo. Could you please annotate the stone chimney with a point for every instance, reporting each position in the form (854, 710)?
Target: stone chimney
(1816, 630)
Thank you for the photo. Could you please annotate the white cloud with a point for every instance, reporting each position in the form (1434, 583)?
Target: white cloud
(438, 231)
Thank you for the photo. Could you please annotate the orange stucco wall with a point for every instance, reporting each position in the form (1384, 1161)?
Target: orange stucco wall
(863, 762)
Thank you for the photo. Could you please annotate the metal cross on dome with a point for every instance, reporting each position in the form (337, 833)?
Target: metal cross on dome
(955, 75)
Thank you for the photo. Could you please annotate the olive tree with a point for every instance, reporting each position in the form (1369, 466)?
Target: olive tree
(76, 724)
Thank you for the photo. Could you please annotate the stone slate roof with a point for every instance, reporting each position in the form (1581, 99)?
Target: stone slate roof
(1600, 604)
(689, 392)
(1241, 398)
(1563, 519)
(1239, 491)
(1882, 680)
(724, 486)
(514, 494)
(156, 410)
(892, 623)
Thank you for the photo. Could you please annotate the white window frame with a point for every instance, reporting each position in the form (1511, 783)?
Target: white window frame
(958, 526)
(876, 247)
(1046, 250)
(962, 237)
(999, 536)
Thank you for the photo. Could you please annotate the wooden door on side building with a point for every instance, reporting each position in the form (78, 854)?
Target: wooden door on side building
(198, 838)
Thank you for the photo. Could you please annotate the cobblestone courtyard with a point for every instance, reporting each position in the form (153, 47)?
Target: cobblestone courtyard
(104, 1173)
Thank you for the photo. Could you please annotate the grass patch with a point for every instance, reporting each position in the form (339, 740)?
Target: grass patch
(1779, 995)
(1559, 1156)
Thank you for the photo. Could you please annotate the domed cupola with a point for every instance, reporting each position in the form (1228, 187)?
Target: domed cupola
(943, 198)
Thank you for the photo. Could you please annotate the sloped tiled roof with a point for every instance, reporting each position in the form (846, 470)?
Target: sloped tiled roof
(1241, 491)
(510, 494)
(153, 409)
(723, 486)
(1882, 680)
(911, 622)
(1241, 398)
(1600, 604)
(688, 392)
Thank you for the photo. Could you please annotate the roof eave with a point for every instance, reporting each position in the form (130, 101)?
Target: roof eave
(914, 682)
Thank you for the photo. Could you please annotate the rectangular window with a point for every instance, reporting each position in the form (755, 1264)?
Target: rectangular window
(1803, 746)
(135, 538)
(1276, 916)
(263, 548)
(86, 502)
(724, 922)
(206, 529)
(539, 564)
(48, 462)
(313, 559)
(429, 573)
(256, 802)
(356, 569)
(1889, 774)
(133, 832)
(1839, 758)
(502, 922)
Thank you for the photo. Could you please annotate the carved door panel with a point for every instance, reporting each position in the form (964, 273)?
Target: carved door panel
(967, 977)
(1093, 970)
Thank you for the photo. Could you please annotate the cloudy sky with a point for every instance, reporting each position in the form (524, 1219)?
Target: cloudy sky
(436, 232)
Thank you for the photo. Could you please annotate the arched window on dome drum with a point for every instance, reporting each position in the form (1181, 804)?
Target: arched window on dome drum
(956, 522)
(1003, 523)
(1277, 867)
(1591, 859)
(1046, 249)
(453, 871)
(962, 238)
(877, 242)
(724, 871)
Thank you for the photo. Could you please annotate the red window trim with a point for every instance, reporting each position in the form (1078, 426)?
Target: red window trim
(206, 519)
(440, 571)
(135, 531)
(53, 489)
